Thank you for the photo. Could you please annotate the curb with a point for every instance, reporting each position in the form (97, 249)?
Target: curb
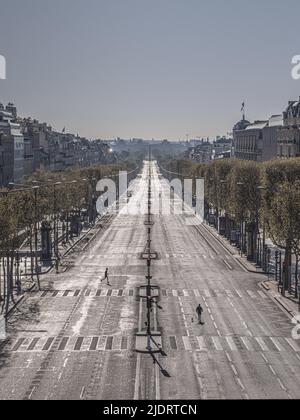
(286, 308)
(265, 286)
(238, 260)
(279, 299)
(14, 307)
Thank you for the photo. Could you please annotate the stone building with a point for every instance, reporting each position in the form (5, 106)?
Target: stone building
(256, 141)
(12, 145)
(288, 136)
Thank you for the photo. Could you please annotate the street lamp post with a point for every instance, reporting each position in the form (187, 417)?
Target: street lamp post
(55, 225)
(35, 191)
(241, 184)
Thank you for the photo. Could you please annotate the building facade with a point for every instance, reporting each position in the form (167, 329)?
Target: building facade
(26, 145)
(12, 144)
(288, 139)
(257, 141)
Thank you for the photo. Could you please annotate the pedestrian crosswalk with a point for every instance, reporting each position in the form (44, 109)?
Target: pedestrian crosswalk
(214, 293)
(87, 293)
(205, 343)
(73, 344)
(231, 343)
(198, 293)
(186, 256)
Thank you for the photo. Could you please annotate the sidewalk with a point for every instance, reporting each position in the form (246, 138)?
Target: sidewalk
(288, 302)
(29, 284)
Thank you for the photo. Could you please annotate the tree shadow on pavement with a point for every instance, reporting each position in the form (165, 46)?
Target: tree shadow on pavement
(164, 372)
(26, 316)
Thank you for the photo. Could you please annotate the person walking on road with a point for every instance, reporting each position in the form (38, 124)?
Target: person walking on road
(106, 277)
(199, 311)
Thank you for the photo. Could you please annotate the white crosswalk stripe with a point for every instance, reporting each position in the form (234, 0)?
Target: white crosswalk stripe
(247, 344)
(217, 343)
(292, 344)
(276, 343)
(251, 294)
(231, 344)
(187, 343)
(207, 293)
(261, 343)
(238, 292)
(201, 343)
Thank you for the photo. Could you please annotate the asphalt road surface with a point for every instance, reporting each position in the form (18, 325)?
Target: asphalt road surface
(76, 338)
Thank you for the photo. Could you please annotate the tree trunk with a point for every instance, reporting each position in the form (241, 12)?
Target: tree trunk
(296, 276)
(287, 268)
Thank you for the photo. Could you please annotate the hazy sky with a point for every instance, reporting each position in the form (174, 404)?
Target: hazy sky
(155, 68)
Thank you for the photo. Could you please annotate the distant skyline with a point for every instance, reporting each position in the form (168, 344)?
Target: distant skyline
(159, 69)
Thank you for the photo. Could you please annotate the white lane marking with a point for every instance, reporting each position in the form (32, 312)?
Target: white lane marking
(231, 344)
(196, 293)
(175, 293)
(264, 357)
(238, 292)
(185, 293)
(227, 264)
(272, 370)
(137, 378)
(228, 356)
(217, 343)
(157, 384)
(293, 344)
(186, 343)
(82, 392)
(276, 343)
(233, 369)
(140, 314)
(242, 386)
(261, 343)
(155, 315)
(31, 393)
(201, 342)
(281, 385)
(262, 294)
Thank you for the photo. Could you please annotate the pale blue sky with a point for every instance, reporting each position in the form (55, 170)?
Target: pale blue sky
(159, 68)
